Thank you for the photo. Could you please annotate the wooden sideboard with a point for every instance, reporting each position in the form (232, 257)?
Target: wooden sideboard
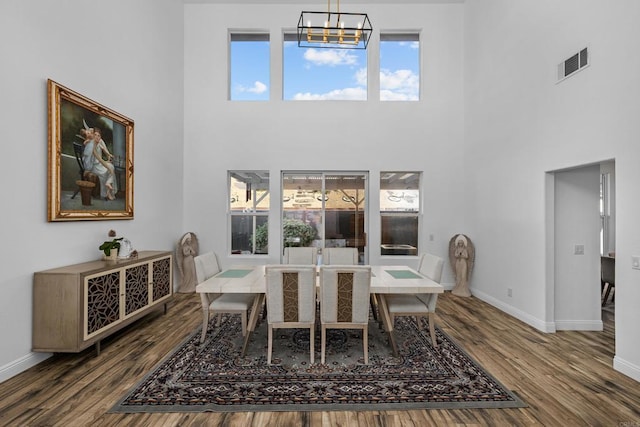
(78, 305)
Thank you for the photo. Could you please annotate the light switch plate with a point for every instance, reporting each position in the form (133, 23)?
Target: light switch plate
(635, 262)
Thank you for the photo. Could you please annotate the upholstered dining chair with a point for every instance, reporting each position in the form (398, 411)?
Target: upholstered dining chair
(212, 304)
(607, 276)
(300, 256)
(344, 301)
(421, 305)
(340, 256)
(291, 301)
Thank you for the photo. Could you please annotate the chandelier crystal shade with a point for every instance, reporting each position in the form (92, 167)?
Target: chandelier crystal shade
(335, 30)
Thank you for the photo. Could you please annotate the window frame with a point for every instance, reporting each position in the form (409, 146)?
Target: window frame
(253, 212)
(247, 36)
(417, 213)
(407, 36)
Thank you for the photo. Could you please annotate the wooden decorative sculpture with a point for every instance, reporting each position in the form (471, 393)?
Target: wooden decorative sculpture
(462, 256)
(186, 250)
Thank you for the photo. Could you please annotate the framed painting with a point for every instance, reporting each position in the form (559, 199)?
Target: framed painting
(90, 174)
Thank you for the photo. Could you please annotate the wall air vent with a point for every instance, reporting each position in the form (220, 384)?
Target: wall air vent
(573, 64)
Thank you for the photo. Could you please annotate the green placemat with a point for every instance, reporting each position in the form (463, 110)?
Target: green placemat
(403, 274)
(234, 273)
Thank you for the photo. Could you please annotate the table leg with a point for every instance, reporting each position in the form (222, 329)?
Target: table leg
(253, 320)
(386, 321)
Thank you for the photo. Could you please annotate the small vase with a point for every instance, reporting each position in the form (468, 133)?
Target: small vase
(113, 255)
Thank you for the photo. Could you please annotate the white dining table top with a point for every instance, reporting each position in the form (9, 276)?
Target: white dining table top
(251, 279)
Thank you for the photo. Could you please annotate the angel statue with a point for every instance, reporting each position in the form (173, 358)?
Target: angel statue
(462, 255)
(186, 250)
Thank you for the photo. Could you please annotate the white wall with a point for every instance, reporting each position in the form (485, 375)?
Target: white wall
(520, 123)
(124, 55)
(355, 136)
(577, 276)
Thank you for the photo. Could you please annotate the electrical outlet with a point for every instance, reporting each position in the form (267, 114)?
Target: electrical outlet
(635, 262)
(431, 237)
(578, 250)
(509, 292)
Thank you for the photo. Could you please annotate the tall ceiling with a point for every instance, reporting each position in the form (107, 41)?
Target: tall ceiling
(343, 2)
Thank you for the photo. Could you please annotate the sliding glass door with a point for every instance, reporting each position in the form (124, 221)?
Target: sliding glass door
(325, 209)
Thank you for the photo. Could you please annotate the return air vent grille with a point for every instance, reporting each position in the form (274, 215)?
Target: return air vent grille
(573, 64)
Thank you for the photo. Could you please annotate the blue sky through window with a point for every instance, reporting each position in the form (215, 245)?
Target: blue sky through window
(325, 74)
(250, 70)
(399, 70)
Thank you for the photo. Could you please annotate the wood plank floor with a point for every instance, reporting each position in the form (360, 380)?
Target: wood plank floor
(566, 378)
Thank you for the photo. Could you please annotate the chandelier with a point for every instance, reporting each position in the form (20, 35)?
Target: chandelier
(336, 30)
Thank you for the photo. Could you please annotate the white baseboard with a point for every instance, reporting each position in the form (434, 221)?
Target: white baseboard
(541, 325)
(627, 368)
(22, 364)
(579, 325)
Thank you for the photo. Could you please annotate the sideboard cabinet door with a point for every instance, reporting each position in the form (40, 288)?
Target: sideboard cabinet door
(161, 281)
(136, 288)
(101, 302)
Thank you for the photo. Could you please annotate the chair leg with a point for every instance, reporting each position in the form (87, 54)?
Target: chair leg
(606, 293)
(219, 319)
(270, 344)
(323, 339)
(205, 323)
(312, 341)
(365, 344)
(432, 329)
(419, 323)
(374, 306)
(243, 316)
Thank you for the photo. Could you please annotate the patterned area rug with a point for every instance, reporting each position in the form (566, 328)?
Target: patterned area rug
(213, 377)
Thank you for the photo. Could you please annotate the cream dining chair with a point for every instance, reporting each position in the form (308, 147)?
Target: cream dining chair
(420, 305)
(206, 267)
(291, 301)
(340, 256)
(344, 302)
(300, 256)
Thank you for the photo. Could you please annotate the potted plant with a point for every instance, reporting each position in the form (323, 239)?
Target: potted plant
(294, 232)
(110, 247)
(297, 233)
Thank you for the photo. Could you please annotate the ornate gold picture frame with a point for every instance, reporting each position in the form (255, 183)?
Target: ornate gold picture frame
(90, 174)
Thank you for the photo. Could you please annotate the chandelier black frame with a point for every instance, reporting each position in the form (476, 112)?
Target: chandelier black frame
(334, 30)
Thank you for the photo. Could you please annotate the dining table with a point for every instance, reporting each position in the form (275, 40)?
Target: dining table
(385, 280)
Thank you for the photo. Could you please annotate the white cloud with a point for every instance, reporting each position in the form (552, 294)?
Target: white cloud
(258, 87)
(398, 85)
(330, 57)
(347, 94)
(361, 77)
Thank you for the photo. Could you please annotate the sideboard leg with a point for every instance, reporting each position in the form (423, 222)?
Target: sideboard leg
(98, 348)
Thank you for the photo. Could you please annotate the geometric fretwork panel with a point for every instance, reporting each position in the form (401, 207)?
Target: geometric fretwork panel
(103, 301)
(137, 288)
(161, 278)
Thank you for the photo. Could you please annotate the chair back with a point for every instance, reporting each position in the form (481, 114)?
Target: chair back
(340, 256)
(344, 294)
(291, 293)
(206, 266)
(608, 269)
(300, 256)
(431, 266)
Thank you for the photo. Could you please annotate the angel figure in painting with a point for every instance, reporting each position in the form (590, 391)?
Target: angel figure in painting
(462, 255)
(186, 251)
